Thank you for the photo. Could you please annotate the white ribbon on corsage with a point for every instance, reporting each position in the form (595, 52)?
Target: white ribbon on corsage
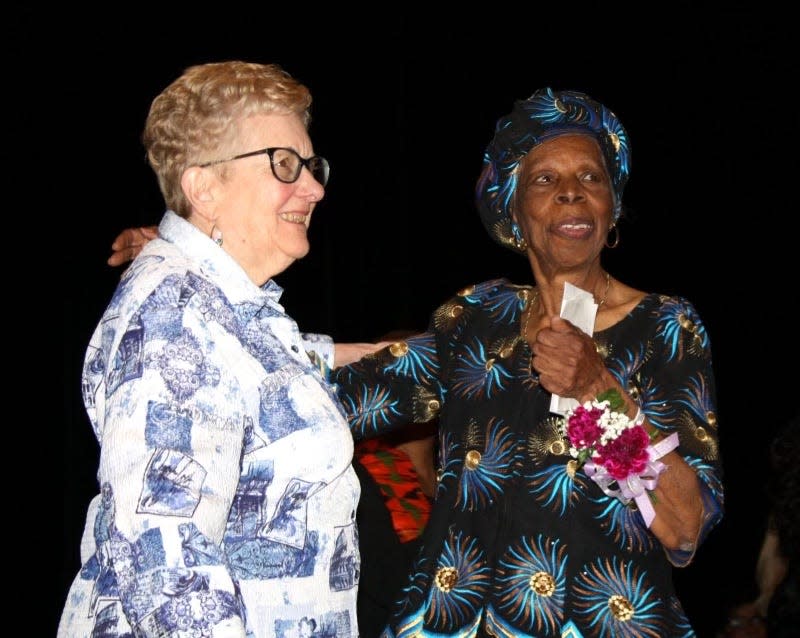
(635, 486)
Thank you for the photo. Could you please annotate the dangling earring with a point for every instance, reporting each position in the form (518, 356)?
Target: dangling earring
(615, 243)
(216, 235)
(519, 240)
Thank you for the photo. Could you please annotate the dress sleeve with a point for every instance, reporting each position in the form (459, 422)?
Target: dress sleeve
(171, 422)
(396, 385)
(678, 394)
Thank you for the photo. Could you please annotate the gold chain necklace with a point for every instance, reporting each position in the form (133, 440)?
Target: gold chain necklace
(526, 317)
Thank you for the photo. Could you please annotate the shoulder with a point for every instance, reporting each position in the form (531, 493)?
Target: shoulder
(627, 300)
(164, 279)
(673, 306)
(677, 325)
(497, 300)
(491, 291)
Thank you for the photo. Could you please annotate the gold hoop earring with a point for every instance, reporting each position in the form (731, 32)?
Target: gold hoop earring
(519, 240)
(615, 243)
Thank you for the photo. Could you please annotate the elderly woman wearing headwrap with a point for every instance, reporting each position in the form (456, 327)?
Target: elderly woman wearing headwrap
(540, 527)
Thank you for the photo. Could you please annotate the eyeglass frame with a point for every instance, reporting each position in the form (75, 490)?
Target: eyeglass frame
(269, 151)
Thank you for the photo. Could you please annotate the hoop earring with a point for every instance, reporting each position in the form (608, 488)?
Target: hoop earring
(615, 243)
(216, 235)
(519, 240)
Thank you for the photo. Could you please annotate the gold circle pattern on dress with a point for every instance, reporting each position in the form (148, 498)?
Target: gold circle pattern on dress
(543, 584)
(399, 349)
(446, 578)
(621, 608)
(472, 459)
(558, 447)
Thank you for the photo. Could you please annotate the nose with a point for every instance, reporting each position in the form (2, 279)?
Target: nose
(570, 192)
(313, 189)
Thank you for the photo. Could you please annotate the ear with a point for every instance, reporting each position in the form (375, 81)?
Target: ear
(199, 187)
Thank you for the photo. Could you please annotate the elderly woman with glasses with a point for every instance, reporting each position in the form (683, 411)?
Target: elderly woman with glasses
(227, 497)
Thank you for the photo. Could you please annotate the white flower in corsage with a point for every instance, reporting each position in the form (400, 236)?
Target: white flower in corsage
(615, 450)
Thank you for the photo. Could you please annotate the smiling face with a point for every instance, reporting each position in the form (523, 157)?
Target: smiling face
(264, 221)
(564, 202)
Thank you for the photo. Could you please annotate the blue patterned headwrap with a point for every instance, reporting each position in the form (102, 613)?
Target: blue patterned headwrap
(544, 115)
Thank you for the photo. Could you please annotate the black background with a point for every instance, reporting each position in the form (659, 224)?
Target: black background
(404, 103)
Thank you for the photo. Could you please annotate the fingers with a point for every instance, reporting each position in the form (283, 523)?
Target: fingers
(129, 243)
(131, 237)
(559, 328)
(565, 358)
(559, 324)
(124, 255)
(346, 353)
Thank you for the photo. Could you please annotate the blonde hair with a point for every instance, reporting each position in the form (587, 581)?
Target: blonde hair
(196, 118)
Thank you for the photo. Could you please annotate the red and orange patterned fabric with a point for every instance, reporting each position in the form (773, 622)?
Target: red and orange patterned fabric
(395, 475)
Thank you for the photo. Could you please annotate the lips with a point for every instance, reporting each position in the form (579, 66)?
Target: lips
(574, 228)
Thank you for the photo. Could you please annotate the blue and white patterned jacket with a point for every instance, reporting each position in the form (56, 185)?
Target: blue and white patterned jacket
(227, 496)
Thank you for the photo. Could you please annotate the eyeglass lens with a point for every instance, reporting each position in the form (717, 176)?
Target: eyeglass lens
(287, 164)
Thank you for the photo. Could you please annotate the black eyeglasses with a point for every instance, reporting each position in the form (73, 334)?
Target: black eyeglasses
(286, 164)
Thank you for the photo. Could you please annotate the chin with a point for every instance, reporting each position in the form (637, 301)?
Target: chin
(301, 251)
(304, 249)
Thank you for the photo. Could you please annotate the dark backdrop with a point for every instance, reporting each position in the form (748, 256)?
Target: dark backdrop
(403, 107)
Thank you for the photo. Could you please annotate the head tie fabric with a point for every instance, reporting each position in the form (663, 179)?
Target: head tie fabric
(544, 115)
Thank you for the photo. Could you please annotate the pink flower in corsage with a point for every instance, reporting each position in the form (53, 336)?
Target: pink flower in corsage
(584, 427)
(615, 450)
(627, 454)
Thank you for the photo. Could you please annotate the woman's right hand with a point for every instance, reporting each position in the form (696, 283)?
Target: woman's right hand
(568, 363)
(129, 243)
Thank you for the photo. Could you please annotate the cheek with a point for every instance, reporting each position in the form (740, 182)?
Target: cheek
(263, 204)
(530, 213)
(278, 195)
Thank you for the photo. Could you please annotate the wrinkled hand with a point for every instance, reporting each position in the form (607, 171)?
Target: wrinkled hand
(568, 362)
(129, 243)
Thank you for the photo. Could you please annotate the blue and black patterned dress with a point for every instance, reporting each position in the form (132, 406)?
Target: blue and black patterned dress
(516, 544)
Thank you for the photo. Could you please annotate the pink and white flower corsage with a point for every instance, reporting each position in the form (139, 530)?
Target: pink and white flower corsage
(616, 452)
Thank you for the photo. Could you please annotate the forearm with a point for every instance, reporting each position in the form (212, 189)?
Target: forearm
(678, 505)
(677, 498)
